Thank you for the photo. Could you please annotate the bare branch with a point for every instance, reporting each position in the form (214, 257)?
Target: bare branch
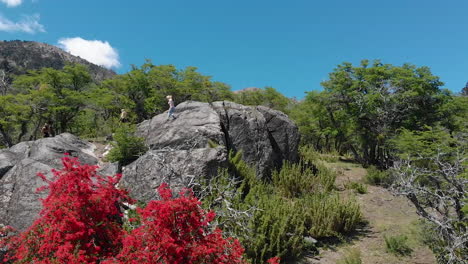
(439, 194)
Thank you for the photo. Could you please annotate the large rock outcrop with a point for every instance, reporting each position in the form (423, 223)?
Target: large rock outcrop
(196, 144)
(19, 165)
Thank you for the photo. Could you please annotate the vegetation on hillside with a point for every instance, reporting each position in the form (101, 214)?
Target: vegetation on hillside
(394, 120)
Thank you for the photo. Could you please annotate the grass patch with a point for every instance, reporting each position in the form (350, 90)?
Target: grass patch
(353, 256)
(357, 187)
(308, 153)
(397, 245)
(377, 177)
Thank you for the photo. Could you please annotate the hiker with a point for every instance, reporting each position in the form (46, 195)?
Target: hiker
(46, 130)
(171, 107)
(123, 116)
(51, 129)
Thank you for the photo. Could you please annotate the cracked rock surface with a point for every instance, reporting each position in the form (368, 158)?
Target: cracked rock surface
(197, 142)
(19, 165)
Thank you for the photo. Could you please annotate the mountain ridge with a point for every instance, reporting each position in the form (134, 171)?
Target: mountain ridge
(19, 56)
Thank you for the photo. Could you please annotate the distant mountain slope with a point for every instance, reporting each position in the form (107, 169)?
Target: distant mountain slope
(17, 57)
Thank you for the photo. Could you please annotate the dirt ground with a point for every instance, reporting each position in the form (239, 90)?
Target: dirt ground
(386, 215)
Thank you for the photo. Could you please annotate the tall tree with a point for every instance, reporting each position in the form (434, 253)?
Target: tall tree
(367, 104)
(60, 94)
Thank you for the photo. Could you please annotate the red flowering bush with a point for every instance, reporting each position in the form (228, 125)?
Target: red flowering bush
(81, 223)
(176, 230)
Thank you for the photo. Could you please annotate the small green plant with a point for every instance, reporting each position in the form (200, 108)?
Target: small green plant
(357, 187)
(212, 144)
(398, 245)
(327, 215)
(127, 147)
(353, 256)
(331, 157)
(325, 176)
(295, 180)
(377, 177)
(277, 229)
(308, 154)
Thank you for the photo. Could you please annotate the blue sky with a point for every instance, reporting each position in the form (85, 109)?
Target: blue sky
(289, 45)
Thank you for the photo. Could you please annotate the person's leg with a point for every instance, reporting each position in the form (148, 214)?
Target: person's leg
(171, 113)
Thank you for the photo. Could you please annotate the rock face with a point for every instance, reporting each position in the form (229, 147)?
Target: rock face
(19, 165)
(266, 137)
(176, 167)
(198, 141)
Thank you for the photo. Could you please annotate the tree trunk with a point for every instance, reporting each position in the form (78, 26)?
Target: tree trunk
(357, 157)
(6, 137)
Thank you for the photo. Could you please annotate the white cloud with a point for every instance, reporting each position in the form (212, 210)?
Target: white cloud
(12, 3)
(28, 24)
(95, 51)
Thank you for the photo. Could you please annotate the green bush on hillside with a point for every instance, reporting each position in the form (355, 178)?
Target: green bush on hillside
(127, 147)
(327, 215)
(296, 180)
(375, 176)
(357, 187)
(398, 245)
(273, 218)
(277, 229)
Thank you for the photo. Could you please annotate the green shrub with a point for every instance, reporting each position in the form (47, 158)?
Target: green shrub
(353, 256)
(397, 245)
(357, 187)
(325, 176)
(277, 230)
(295, 180)
(212, 144)
(327, 215)
(330, 157)
(272, 218)
(127, 147)
(292, 180)
(377, 177)
(308, 153)
(266, 224)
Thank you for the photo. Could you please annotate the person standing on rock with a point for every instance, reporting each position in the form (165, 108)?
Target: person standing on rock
(171, 107)
(123, 116)
(46, 130)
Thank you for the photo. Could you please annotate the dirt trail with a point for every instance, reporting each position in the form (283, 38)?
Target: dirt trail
(100, 150)
(386, 215)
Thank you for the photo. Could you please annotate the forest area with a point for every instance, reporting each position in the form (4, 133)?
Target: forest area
(396, 121)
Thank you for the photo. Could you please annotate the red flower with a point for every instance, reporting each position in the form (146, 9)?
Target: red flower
(81, 223)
